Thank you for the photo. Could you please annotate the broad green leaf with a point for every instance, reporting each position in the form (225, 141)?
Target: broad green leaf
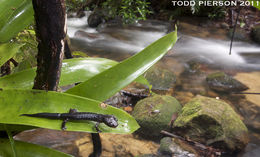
(15, 102)
(25, 149)
(7, 51)
(17, 20)
(73, 70)
(107, 83)
(7, 7)
(11, 140)
(255, 3)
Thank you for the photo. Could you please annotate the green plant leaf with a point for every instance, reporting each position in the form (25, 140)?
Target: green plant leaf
(19, 16)
(25, 149)
(15, 102)
(73, 70)
(11, 140)
(107, 83)
(7, 51)
(255, 3)
(7, 7)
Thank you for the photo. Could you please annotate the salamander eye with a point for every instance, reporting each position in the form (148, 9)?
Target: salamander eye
(111, 121)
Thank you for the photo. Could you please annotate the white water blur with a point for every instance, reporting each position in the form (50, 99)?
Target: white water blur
(214, 51)
(139, 39)
(187, 48)
(75, 24)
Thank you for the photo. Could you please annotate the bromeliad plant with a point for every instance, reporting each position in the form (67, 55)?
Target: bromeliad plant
(101, 78)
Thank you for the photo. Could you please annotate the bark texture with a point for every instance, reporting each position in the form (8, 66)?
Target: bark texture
(67, 50)
(50, 19)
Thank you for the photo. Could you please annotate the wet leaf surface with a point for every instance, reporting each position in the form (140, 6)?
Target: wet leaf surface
(24, 149)
(15, 102)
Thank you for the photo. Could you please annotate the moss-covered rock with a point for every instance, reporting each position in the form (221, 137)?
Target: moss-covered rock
(154, 114)
(212, 122)
(255, 34)
(222, 82)
(160, 79)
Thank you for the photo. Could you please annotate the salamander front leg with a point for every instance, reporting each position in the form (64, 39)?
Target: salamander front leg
(97, 129)
(63, 125)
(73, 110)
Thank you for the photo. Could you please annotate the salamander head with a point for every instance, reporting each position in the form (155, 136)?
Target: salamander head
(111, 121)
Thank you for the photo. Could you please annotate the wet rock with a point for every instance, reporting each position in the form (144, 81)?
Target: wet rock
(255, 34)
(127, 97)
(118, 145)
(168, 147)
(224, 25)
(63, 141)
(250, 113)
(222, 82)
(192, 82)
(251, 153)
(154, 114)
(94, 19)
(83, 34)
(212, 122)
(160, 79)
(81, 14)
(193, 67)
(240, 35)
(183, 97)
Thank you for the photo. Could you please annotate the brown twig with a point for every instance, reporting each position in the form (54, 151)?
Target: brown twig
(203, 149)
(14, 62)
(234, 30)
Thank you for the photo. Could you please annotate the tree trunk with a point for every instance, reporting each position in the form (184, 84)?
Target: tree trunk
(50, 18)
(67, 51)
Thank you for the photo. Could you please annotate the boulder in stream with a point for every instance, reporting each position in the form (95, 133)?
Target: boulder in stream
(95, 19)
(222, 82)
(160, 79)
(255, 34)
(212, 122)
(169, 147)
(154, 114)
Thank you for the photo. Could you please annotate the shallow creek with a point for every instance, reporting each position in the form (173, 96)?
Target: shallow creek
(207, 49)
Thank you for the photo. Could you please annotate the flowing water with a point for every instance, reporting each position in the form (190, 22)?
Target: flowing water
(126, 40)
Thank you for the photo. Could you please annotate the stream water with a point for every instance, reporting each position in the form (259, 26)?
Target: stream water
(108, 40)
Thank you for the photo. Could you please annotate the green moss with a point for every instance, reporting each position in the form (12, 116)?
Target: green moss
(159, 78)
(208, 120)
(215, 75)
(188, 112)
(154, 114)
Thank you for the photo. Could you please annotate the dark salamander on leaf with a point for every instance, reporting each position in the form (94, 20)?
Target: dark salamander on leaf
(73, 114)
